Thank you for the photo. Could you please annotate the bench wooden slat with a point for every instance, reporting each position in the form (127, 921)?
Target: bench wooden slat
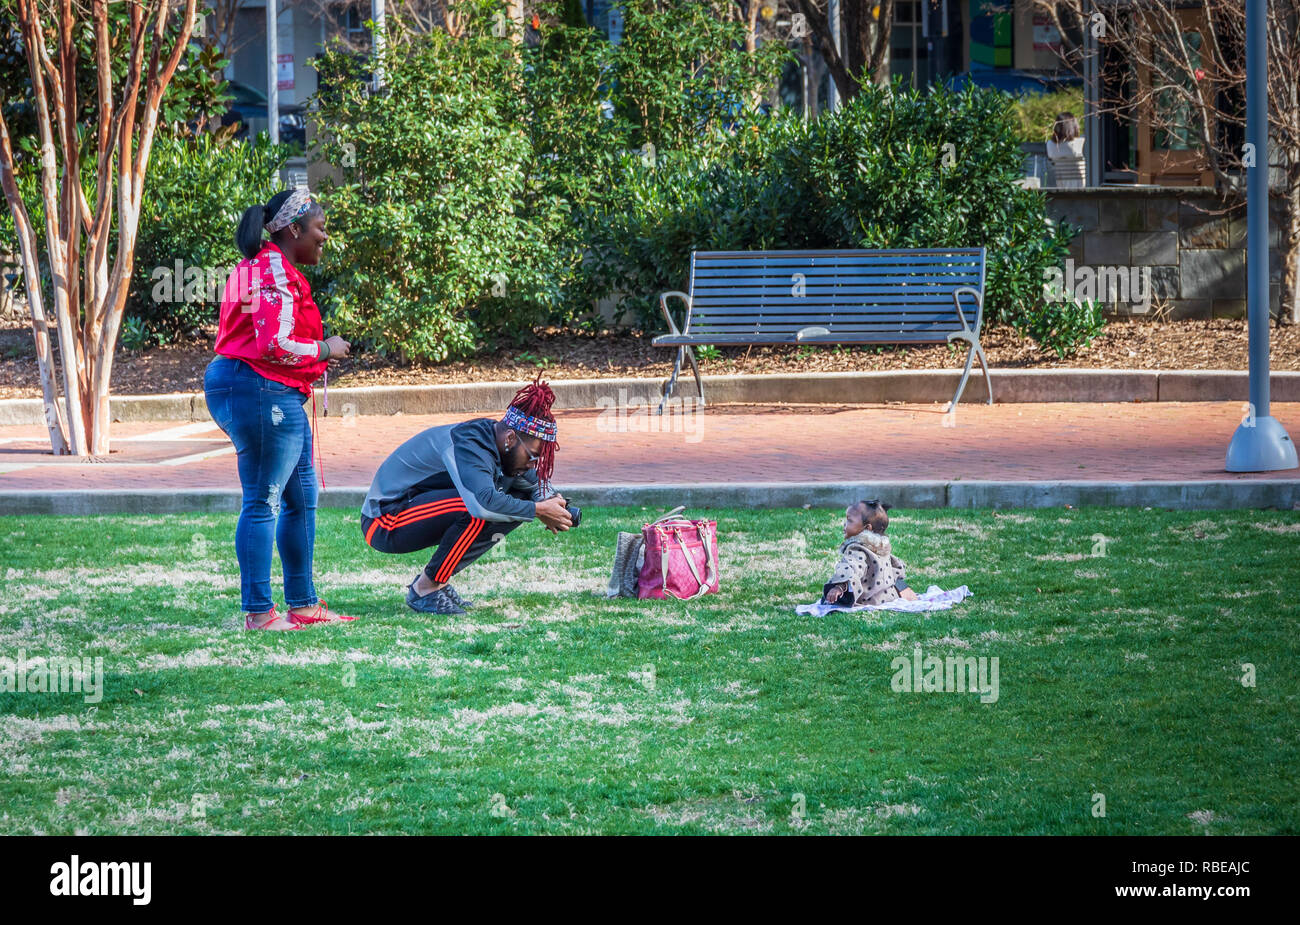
(758, 284)
(865, 299)
(904, 253)
(798, 324)
(850, 295)
(833, 272)
(886, 276)
(815, 321)
(784, 327)
(748, 289)
(844, 260)
(836, 257)
(787, 324)
(828, 313)
(848, 271)
(790, 335)
(900, 337)
(812, 294)
(846, 302)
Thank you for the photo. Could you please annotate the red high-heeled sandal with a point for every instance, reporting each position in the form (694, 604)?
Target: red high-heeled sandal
(322, 614)
(250, 625)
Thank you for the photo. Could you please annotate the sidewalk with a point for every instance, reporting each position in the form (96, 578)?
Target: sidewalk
(732, 444)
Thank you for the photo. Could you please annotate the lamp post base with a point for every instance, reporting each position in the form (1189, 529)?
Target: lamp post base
(1261, 445)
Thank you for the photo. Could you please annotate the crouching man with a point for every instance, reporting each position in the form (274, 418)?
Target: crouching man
(460, 488)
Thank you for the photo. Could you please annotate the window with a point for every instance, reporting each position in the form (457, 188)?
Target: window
(907, 13)
(1177, 124)
(354, 24)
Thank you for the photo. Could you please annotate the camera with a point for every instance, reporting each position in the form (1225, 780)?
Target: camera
(544, 491)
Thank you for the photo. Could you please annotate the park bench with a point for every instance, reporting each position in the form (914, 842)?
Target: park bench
(829, 297)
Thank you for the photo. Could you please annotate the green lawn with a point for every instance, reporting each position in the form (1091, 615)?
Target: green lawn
(549, 709)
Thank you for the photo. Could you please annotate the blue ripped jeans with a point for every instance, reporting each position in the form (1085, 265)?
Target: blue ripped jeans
(268, 425)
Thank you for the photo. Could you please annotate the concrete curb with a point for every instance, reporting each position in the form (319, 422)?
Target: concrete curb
(916, 386)
(1202, 495)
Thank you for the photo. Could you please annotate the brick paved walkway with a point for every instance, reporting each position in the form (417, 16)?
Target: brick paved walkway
(736, 443)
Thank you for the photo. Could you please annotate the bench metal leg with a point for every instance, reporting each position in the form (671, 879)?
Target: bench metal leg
(699, 383)
(984, 365)
(668, 387)
(975, 351)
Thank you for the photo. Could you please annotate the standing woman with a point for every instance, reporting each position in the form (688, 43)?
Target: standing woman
(269, 352)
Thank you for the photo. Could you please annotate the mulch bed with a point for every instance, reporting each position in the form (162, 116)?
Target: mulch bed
(566, 354)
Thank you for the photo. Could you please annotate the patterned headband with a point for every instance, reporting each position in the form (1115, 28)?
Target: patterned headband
(534, 427)
(299, 201)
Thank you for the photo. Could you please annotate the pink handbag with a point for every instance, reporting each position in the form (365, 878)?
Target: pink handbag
(681, 558)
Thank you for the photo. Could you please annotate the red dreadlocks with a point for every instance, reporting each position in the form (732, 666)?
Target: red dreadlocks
(535, 400)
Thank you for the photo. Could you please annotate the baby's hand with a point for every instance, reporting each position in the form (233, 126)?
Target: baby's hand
(833, 593)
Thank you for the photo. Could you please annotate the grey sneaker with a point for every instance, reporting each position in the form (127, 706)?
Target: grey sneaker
(460, 601)
(438, 602)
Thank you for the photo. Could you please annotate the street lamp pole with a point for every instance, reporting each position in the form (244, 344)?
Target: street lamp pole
(832, 91)
(1261, 443)
(272, 73)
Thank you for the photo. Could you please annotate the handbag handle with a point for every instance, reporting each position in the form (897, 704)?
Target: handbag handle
(671, 514)
(710, 570)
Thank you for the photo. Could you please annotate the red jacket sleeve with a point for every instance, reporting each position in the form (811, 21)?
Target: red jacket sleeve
(274, 318)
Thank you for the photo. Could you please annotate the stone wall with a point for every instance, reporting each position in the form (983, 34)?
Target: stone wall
(1193, 241)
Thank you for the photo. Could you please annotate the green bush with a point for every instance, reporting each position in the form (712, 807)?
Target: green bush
(462, 185)
(429, 211)
(877, 173)
(195, 192)
(1062, 325)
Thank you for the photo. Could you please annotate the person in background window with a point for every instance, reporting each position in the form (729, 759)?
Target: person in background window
(1065, 152)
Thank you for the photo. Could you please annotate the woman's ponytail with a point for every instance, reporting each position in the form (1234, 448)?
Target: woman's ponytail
(249, 236)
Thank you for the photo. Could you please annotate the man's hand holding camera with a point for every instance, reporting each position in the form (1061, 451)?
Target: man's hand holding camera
(554, 513)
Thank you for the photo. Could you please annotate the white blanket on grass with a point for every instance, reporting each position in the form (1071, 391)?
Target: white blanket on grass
(935, 598)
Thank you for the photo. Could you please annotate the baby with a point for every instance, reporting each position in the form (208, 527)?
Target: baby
(868, 572)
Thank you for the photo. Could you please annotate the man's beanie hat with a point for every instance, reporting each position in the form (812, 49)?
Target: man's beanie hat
(530, 413)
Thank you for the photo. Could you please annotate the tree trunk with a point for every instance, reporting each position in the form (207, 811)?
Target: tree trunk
(1289, 249)
(102, 360)
(35, 298)
(54, 421)
(751, 43)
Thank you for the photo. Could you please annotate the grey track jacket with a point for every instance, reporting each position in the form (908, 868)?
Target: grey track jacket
(461, 456)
